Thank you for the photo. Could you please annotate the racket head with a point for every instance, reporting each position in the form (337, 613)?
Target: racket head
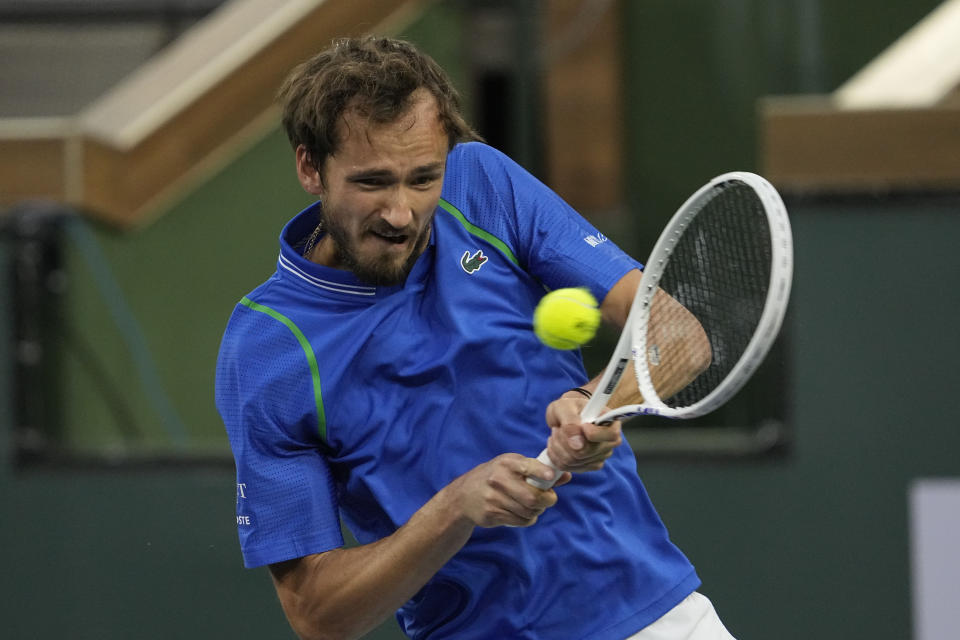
(727, 257)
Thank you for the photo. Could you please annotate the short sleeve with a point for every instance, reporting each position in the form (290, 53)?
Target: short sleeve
(552, 241)
(286, 496)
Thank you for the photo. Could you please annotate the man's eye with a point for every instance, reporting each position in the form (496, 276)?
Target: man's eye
(424, 181)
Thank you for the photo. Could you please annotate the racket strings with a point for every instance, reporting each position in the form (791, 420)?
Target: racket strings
(719, 270)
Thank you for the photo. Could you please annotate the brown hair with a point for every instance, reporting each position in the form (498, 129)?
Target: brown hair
(374, 76)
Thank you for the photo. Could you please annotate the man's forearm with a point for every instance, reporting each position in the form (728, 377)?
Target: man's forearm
(344, 593)
(674, 335)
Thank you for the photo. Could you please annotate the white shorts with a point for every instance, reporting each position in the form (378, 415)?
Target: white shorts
(693, 619)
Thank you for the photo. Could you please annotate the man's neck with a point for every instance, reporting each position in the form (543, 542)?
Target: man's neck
(323, 252)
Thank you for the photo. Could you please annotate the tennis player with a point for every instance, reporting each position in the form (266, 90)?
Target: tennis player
(387, 375)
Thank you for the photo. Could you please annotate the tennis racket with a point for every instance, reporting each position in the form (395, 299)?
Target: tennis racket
(709, 305)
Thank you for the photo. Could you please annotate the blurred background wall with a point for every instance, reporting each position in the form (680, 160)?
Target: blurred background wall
(116, 485)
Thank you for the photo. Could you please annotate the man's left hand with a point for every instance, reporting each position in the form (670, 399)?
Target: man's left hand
(575, 445)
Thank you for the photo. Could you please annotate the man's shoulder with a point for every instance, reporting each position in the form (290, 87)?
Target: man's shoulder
(477, 173)
(261, 314)
(476, 157)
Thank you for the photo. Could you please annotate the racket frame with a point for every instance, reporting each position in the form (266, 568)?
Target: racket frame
(632, 344)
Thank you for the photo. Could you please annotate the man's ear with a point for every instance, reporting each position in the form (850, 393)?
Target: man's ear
(307, 173)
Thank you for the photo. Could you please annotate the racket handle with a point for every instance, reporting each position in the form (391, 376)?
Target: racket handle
(539, 483)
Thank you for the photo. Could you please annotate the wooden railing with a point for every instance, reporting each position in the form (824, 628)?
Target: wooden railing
(186, 112)
(894, 126)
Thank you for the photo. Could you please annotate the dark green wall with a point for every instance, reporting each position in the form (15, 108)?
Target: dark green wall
(811, 544)
(139, 554)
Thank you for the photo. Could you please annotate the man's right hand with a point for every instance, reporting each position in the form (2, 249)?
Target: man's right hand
(497, 493)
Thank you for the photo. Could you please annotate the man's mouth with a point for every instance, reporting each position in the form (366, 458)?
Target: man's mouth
(393, 238)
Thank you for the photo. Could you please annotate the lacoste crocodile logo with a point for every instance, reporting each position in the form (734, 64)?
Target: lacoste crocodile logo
(474, 262)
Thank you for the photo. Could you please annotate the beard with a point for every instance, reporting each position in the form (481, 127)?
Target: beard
(382, 270)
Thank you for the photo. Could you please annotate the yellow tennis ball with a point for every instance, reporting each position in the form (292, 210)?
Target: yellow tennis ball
(566, 318)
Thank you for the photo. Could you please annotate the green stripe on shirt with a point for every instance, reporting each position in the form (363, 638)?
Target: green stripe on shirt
(307, 351)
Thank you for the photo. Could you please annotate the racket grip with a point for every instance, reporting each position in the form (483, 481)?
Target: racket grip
(539, 483)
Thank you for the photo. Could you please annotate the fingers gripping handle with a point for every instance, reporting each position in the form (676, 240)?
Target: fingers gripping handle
(540, 483)
(589, 413)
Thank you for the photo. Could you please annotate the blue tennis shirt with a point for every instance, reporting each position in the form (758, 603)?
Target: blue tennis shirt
(344, 400)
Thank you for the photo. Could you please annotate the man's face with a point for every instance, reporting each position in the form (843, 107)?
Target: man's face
(379, 192)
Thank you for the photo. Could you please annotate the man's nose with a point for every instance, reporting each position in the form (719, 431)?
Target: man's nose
(398, 211)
